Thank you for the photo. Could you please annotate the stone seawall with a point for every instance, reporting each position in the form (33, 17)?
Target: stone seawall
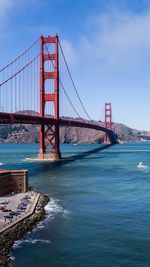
(17, 231)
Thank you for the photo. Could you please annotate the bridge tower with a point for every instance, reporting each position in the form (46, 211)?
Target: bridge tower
(108, 121)
(49, 135)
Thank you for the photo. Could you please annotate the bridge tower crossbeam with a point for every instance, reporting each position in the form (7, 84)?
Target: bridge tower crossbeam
(49, 134)
(108, 122)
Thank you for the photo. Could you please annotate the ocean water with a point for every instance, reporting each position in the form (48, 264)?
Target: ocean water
(99, 209)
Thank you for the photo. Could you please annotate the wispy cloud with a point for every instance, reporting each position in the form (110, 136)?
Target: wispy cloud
(6, 9)
(69, 51)
(118, 39)
(6, 6)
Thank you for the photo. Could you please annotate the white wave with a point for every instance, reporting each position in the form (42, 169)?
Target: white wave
(66, 214)
(53, 208)
(1, 163)
(12, 258)
(19, 243)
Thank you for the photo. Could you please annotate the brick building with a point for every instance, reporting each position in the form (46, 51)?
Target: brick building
(13, 181)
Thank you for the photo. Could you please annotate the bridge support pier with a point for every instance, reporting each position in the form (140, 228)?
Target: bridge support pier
(49, 134)
(106, 139)
(49, 137)
(48, 156)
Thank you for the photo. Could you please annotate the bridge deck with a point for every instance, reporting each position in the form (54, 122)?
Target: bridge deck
(16, 118)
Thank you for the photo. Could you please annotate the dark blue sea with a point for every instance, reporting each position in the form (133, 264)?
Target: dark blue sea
(99, 209)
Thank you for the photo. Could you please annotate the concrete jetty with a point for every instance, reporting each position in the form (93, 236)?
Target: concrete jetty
(14, 228)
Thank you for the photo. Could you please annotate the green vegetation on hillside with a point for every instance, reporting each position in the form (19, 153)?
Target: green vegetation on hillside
(5, 130)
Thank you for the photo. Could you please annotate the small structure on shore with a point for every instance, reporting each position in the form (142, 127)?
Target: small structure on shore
(23, 209)
(13, 181)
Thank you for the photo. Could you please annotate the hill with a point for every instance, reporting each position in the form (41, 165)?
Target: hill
(30, 134)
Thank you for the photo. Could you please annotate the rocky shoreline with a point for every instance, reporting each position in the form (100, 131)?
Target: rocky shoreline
(17, 231)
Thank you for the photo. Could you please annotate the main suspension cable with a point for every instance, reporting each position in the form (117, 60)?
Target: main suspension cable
(69, 100)
(64, 89)
(73, 83)
(20, 70)
(20, 55)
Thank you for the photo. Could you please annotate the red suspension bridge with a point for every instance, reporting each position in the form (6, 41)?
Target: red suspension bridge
(32, 91)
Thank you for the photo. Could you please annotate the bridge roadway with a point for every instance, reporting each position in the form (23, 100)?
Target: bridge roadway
(16, 118)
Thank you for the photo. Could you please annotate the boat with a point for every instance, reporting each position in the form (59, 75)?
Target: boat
(142, 166)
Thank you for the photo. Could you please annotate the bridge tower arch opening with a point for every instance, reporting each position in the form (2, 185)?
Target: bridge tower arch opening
(108, 122)
(49, 134)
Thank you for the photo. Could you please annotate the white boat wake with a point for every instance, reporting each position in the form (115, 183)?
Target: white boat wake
(142, 166)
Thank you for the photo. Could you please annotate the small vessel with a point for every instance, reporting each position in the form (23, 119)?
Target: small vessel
(142, 166)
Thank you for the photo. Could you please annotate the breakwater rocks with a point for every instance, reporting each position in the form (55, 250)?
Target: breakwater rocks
(17, 231)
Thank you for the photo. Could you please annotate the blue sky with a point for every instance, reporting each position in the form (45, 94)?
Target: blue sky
(107, 45)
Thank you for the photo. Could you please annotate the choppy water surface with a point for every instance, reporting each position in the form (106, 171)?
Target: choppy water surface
(99, 209)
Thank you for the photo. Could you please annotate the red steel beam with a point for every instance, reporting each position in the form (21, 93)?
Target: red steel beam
(46, 74)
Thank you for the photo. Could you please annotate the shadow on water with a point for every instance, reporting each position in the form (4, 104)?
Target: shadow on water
(84, 154)
(47, 166)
